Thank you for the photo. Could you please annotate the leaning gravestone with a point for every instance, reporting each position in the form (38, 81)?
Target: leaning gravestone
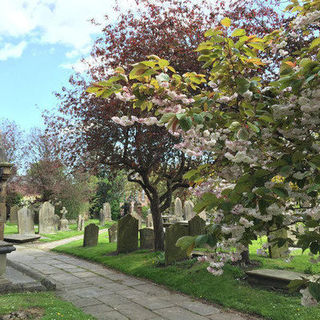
(91, 233)
(197, 226)
(274, 250)
(14, 214)
(146, 238)
(46, 218)
(173, 233)
(188, 210)
(178, 212)
(127, 234)
(113, 232)
(25, 221)
(80, 224)
(149, 221)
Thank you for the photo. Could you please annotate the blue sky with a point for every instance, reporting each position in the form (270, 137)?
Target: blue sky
(40, 42)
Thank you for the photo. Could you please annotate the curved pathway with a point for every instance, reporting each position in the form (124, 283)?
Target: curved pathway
(109, 295)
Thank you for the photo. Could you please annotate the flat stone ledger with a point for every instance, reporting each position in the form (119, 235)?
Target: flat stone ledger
(272, 278)
(91, 234)
(197, 226)
(127, 234)
(113, 233)
(26, 221)
(21, 238)
(173, 233)
(146, 238)
(275, 251)
(46, 218)
(14, 215)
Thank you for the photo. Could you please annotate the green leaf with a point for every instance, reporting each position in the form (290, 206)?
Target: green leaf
(281, 192)
(186, 243)
(253, 127)
(198, 118)
(316, 160)
(226, 22)
(285, 171)
(238, 33)
(314, 43)
(185, 123)
(163, 77)
(201, 240)
(257, 45)
(243, 134)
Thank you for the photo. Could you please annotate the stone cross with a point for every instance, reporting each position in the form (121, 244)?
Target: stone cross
(64, 223)
(64, 211)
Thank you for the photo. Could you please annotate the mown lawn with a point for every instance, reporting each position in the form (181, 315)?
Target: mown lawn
(47, 303)
(192, 278)
(13, 228)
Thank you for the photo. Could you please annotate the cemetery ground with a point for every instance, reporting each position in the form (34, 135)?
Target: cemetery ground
(192, 278)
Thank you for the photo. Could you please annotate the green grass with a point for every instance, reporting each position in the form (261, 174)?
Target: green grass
(193, 279)
(53, 307)
(13, 228)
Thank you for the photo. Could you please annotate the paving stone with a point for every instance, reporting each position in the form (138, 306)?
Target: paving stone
(200, 308)
(135, 312)
(83, 274)
(177, 313)
(97, 310)
(113, 315)
(152, 302)
(90, 292)
(226, 316)
(113, 300)
(85, 302)
(130, 293)
(152, 289)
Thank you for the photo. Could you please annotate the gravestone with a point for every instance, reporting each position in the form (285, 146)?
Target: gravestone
(102, 218)
(46, 218)
(25, 221)
(14, 214)
(146, 238)
(127, 234)
(149, 221)
(173, 233)
(64, 223)
(113, 232)
(197, 226)
(56, 222)
(178, 212)
(91, 233)
(188, 210)
(135, 215)
(80, 224)
(275, 251)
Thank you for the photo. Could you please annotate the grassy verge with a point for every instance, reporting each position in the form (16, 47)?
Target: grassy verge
(193, 279)
(13, 228)
(52, 307)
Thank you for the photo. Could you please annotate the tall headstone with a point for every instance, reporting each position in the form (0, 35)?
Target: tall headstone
(56, 222)
(14, 214)
(64, 223)
(173, 233)
(113, 233)
(188, 210)
(105, 213)
(197, 226)
(178, 212)
(91, 233)
(46, 218)
(80, 224)
(275, 251)
(149, 221)
(25, 221)
(102, 218)
(127, 234)
(146, 238)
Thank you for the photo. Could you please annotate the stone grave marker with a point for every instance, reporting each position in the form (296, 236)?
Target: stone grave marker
(188, 210)
(178, 211)
(107, 211)
(173, 233)
(14, 214)
(197, 226)
(135, 215)
(91, 233)
(149, 221)
(102, 218)
(64, 223)
(113, 232)
(80, 224)
(56, 222)
(46, 218)
(274, 250)
(146, 238)
(25, 221)
(127, 234)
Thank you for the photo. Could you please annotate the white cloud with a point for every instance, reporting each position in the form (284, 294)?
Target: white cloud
(10, 50)
(65, 22)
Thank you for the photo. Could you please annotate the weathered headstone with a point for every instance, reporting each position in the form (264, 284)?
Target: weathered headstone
(80, 224)
(188, 210)
(173, 233)
(135, 215)
(64, 223)
(197, 226)
(102, 218)
(146, 238)
(178, 212)
(274, 250)
(149, 221)
(14, 214)
(127, 234)
(56, 222)
(46, 218)
(105, 213)
(91, 233)
(25, 221)
(113, 233)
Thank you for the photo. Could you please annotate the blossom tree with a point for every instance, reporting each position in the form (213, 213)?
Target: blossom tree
(263, 134)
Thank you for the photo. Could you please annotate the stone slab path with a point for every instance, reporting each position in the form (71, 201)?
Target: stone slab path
(109, 295)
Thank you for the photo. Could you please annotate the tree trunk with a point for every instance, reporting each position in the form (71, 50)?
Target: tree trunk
(157, 225)
(245, 259)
